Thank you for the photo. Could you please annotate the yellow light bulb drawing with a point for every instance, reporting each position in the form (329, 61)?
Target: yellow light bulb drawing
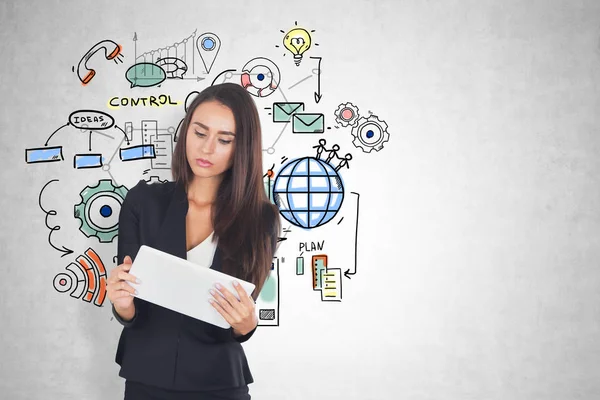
(297, 41)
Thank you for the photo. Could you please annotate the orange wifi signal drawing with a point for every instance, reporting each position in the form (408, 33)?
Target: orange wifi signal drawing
(87, 280)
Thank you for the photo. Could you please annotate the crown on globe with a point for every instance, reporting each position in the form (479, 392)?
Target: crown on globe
(331, 153)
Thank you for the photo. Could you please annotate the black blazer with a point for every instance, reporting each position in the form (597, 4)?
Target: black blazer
(158, 346)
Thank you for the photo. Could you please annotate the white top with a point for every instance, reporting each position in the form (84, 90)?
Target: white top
(203, 253)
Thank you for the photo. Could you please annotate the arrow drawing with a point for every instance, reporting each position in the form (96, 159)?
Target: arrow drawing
(348, 273)
(318, 94)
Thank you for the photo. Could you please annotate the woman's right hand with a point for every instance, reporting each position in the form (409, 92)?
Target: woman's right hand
(120, 293)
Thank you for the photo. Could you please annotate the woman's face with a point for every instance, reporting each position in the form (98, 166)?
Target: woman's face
(210, 139)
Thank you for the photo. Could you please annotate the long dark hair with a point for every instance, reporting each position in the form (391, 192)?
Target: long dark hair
(245, 222)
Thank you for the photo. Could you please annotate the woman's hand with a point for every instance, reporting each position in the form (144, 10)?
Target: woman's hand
(120, 293)
(240, 314)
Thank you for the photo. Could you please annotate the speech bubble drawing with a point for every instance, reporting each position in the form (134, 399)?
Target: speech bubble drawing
(145, 75)
(92, 120)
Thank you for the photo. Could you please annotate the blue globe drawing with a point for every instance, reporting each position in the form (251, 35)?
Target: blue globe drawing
(308, 192)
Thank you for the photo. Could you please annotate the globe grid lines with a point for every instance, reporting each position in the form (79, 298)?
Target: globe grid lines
(329, 187)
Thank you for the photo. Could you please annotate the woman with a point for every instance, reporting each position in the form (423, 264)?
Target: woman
(217, 194)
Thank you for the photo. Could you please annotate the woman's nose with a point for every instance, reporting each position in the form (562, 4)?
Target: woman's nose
(209, 145)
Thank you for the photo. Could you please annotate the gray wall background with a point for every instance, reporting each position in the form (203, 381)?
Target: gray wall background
(479, 227)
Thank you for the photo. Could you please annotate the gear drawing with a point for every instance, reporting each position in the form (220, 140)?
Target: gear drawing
(346, 114)
(155, 179)
(370, 133)
(99, 210)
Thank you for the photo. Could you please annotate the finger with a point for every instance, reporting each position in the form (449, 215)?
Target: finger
(122, 293)
(126, 287)
(127, 260)
(127, 277)
(221, 311)
(244, 296)
(226, 305)
(233, 301)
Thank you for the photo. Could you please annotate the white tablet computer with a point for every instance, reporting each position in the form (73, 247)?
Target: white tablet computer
(180, 285)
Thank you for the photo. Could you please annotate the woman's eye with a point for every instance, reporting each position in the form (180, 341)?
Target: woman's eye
(200, 134)
(224, 141)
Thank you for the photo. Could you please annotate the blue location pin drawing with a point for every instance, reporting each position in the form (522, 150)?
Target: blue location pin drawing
(208, 45)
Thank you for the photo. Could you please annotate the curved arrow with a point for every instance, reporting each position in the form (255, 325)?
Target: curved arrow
(67, 124)
(318, 94)
(124, 134)
(348, 273)
(216, 77)
(64, 250)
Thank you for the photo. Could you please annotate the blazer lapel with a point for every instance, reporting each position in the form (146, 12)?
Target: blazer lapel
(172, 235)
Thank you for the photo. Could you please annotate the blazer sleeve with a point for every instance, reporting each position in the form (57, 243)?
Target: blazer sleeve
(129, 241)
(245, 337)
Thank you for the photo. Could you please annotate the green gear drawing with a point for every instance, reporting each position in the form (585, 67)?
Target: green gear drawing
(105, 187)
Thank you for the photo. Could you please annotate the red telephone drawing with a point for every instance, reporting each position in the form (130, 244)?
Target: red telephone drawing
(112, 50)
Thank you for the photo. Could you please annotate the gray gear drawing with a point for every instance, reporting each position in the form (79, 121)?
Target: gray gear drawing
(370, 134)
(346, 114)
(155, 179)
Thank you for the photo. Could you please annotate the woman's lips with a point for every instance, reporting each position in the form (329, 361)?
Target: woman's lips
(203, 163)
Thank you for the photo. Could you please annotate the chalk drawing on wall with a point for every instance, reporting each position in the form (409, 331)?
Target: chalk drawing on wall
(208, 45)
(346, 114)
(223, 76)
(308, 191)
(99, 210)
(175, 68)
(318, 94)
(326, 280)
(302, 122)
(138, 152)
(370, 134)
(260, 77)
(86, 280)
(297, 41)
(52, 213)
(348, 272)
(156, 144)
(331, 284)
(308, 123)
(90, 122)
(87, 160)
(173, 61)
(112, 51)
(283, 112)
(267, 303)
(43, 154)
(154, 179)
(145, 74)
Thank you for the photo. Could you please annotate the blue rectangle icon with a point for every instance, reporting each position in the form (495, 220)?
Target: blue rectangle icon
(137, 152)
(43, 154)
(87, 161)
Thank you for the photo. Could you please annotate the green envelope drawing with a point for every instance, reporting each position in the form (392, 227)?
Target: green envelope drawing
(282, 112)
(308, 123)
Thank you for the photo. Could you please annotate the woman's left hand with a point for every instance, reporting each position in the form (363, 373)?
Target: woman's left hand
(240, 314)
